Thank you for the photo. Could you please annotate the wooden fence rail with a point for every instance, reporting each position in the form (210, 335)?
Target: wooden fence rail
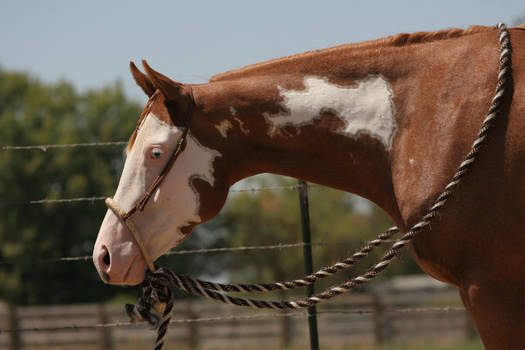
(358, 318)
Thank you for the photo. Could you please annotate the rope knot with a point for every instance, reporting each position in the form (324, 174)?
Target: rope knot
(156, 300)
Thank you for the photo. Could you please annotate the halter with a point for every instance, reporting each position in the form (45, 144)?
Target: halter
(141, 203)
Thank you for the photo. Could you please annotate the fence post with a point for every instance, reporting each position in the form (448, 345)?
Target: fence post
(193, 337)
(285, 328)
(308, 264)
(12, 325)
(380, 329)
(103, 332)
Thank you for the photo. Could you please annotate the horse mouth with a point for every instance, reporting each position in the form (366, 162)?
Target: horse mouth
(132, 274)
(135, 273)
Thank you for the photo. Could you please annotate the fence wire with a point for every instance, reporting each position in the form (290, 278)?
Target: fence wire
(444, 309)
(44, 148)
(352, 243)
(93, 199)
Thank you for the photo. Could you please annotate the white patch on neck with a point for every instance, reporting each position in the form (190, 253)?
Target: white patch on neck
(367, 107)
(223, 127)
(233, 111)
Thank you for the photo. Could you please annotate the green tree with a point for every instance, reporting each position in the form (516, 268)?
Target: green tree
(338, 219)
(34, 113)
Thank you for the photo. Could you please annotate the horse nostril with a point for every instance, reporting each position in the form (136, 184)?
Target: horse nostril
(106, 259)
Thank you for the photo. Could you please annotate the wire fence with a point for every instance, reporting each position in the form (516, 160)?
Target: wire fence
(93, 199)
(351, 243)
(188, 320)
(253, 316)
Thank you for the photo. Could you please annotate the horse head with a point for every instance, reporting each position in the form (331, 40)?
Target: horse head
(191, 192)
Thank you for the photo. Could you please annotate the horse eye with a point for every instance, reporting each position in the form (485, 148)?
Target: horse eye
(156, 153)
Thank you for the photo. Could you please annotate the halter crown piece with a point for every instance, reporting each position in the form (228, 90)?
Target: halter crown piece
(141, 203)
(158, 283)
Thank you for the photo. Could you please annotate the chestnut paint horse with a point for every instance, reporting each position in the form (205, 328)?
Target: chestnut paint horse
(389, 120)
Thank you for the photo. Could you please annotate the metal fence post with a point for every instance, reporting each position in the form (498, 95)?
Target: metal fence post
(308, 264)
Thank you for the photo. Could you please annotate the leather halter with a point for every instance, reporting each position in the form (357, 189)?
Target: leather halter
(141, 203)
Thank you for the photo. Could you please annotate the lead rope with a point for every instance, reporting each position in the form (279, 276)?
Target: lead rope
(158, 295)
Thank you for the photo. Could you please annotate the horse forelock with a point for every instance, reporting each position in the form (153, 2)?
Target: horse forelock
(398, 40)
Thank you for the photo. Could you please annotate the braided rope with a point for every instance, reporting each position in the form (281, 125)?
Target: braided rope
(160, 280)
(196, 284)
(154, 307)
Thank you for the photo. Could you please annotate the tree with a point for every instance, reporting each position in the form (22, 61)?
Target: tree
(33, 113)
(272, 217)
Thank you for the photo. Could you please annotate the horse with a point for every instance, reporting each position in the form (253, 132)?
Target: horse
(388, 120)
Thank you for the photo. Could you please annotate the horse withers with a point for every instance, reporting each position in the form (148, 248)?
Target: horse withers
(389, 120)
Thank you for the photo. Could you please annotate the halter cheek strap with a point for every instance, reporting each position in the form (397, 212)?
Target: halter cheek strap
(141, 203)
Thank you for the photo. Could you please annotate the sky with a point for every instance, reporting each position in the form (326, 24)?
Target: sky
(90, 43)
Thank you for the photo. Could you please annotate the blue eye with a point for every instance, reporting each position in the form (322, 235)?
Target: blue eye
(156, 153)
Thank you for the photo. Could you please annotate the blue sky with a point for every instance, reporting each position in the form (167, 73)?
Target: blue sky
(91, 42)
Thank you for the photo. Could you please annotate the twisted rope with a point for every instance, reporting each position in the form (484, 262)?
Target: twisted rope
(189, 284)
(154, 307)
(161, 279)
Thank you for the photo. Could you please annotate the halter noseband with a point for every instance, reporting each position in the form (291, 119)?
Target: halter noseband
(141, 203)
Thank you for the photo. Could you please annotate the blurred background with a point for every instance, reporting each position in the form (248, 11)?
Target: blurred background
(64, 80)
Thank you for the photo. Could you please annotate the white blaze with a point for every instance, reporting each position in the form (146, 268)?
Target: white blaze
(365, 107)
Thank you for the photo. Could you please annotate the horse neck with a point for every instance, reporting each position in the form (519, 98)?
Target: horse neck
(329, 118)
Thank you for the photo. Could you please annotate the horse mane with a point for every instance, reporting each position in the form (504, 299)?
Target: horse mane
(390, 41)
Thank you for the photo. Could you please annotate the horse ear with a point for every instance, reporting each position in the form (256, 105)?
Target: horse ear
(173, 92)
(142, 80)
